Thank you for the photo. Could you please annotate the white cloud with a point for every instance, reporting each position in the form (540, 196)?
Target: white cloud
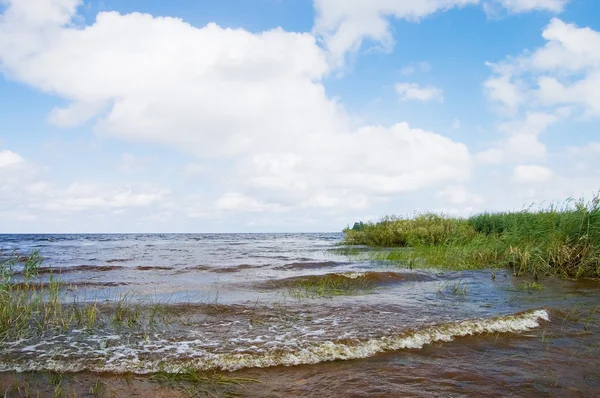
(239, 202)
(344, 25)
(78, 197)
(459, 195)
(373, 161)
(8, 158)
(412, 91)
(508, 93)
(565, 71)
(531, 174)
(23, 189)
(518, 6)
(75, 113)
(521, 139)
(255, 101)
(208, 90)
(538, 88)
(40, 13)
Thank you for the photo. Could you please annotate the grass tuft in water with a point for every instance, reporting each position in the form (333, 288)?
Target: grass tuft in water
(34, 306)
(330, 286)
(530, 287)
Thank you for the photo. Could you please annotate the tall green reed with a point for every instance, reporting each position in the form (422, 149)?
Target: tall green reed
(561, 240)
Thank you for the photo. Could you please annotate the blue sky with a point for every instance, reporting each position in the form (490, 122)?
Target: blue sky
(291, 115)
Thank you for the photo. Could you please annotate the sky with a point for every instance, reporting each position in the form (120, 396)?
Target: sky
(291, 115)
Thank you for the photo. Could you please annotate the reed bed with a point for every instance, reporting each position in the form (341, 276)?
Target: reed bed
(560, 240)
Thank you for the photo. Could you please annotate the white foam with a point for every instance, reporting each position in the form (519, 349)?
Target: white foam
(198, 354)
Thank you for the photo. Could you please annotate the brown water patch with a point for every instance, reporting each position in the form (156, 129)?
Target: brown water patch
(87, 384)
(118, 260)
(152, 268)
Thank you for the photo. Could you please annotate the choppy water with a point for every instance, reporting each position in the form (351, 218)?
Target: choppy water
(410, 332)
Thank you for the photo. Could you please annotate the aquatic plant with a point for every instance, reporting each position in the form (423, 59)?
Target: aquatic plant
(330, 285)
(560, 240)
(197, 383)
(32, 304)
(530, 286)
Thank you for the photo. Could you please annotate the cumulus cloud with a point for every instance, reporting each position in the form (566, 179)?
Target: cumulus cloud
(531, 174)
(557, 81)
(8, 158)
(565, 71)
(412, 91)
(211, 90)
(344, 25)
(521, 140)
(255, 100)
(376, 161)
(503, 90)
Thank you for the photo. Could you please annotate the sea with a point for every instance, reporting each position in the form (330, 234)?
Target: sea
(306, 315)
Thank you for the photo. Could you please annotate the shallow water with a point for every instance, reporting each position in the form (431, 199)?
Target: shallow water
(233, 305)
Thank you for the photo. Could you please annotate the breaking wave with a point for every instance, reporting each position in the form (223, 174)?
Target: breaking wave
(111, 354)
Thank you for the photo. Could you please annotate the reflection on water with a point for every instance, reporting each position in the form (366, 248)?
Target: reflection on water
(227, 305)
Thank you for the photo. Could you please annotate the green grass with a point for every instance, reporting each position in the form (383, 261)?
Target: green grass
(31, 305)
(28, 305)
(560, 241)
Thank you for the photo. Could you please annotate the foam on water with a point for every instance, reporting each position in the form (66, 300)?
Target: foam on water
(109, 354)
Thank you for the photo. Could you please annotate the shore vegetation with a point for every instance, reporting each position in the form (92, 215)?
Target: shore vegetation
(559, 240)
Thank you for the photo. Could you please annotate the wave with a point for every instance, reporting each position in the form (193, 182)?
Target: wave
(109, 354)
(153, 268)
(218, 270)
